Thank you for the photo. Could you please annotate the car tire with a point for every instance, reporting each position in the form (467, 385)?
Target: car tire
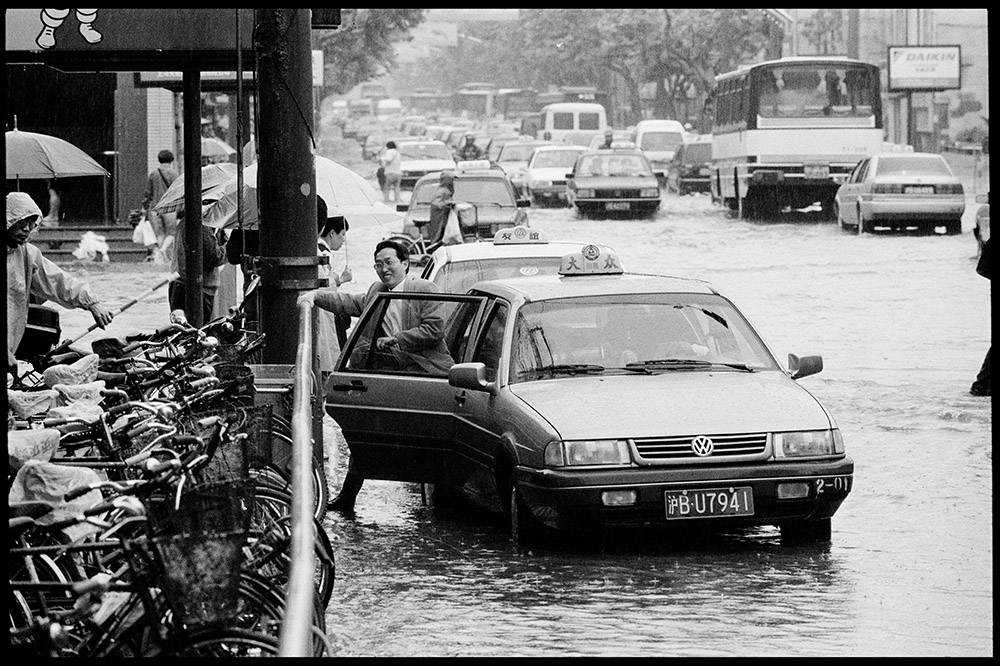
(807, 530)
(953, 227)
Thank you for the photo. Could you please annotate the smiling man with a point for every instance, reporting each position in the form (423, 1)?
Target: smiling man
(31, 274)
(410, 337)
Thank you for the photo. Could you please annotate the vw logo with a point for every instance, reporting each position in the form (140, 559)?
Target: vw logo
(702, 446)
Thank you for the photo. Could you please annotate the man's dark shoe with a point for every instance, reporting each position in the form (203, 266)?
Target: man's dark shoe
(342, 503)
(978, 390)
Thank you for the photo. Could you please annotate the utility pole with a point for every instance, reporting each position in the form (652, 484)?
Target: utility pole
(286, 176)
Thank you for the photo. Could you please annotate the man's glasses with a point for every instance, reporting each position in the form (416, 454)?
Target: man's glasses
(388, 263)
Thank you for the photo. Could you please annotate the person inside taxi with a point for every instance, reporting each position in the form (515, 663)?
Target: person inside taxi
(31, 274)
(410, 337)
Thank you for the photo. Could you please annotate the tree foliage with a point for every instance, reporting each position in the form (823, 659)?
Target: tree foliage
(362, 47)
(825, 31)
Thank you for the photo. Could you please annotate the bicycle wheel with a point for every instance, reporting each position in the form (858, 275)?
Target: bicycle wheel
(224, 643)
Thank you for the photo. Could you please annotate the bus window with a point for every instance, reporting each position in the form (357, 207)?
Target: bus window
(798, 91)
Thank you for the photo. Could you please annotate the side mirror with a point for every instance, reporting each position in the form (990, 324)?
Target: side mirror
(402, 208)
(470, 376)
(524, 203)
(804, 366)
(660, 174)
(569, 175)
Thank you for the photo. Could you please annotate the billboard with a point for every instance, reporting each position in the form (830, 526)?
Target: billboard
(128, 39)
(924, 68)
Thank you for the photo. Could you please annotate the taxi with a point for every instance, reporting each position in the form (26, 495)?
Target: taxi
(515, 252)
(593, 399)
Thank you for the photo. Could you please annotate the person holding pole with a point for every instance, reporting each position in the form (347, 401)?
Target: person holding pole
(30, 273)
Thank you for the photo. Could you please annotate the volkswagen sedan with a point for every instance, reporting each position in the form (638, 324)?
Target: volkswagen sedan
(593, 399)
(613, 182)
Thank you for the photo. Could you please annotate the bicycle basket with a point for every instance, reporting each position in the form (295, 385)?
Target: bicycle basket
(205, 508)
(238, 380)
(201, 575)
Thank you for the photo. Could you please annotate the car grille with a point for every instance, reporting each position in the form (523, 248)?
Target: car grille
(679, 448)
(617, 194)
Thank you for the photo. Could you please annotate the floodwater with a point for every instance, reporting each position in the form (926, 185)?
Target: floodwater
(902, 322)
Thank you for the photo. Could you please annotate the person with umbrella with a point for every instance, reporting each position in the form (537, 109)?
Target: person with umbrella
(31, 274)
(157, 182)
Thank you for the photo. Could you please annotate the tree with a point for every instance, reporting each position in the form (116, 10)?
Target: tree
(825, 31)
(361, 48)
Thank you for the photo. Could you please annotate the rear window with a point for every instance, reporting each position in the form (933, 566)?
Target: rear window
(423, 151)
(562, 121)
(697, 153)
(914, 164)
(661, 140)
(458, 277)
(554, 158)
(516, 152)
(590, 121)
(472, 190)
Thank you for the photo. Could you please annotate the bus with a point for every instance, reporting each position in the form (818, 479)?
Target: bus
(788, 132)
(474, 100)
(571, 94)
(426, 101)
(515, 103)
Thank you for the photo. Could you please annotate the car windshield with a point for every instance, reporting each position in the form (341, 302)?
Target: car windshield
(516, 152)
(554, 158)
(697, 153)
(642, 333)
(661, 140)
(457, 277)
(613, 165)
(472, 190)
(913, 165)
(423, 151)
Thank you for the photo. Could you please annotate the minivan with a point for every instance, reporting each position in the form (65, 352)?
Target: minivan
(572, 122)
(659, 139)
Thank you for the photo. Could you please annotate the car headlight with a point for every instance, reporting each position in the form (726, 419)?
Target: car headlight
(649, 192)
(587, 452)
(585, 194)
(808, 443)
(540, 183)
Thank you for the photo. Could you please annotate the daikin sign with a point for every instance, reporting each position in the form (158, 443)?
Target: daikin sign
(924, 68)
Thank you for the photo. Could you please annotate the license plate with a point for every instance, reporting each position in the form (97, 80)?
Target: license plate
(709, 503)
(922, 189)
(816, 171)
(617, 205)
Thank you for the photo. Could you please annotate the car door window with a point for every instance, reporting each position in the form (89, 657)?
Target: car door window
(863, 171)
(491, 341)
(431, 332)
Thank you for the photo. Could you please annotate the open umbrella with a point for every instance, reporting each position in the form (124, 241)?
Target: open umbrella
(214, 179)
(31, 155)
(344, 192)
(213, 148)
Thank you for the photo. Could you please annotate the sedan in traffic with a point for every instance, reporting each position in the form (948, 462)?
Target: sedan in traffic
(899, 191)
(592, 400)
(613, 183)
(419, 158)
(545, 176)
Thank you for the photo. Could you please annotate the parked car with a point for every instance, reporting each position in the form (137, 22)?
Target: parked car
(513, 160)
(496, 144)
(982, 229)
(489, 190)
(613, 182)
(419, 158)
(690, 169)
(900, 190)
(698, 422)
(545, 176)
(514, 252)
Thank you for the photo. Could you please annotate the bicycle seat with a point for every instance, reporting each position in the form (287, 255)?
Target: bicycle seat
(16, 510)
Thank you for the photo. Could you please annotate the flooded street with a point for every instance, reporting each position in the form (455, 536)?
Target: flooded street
(902, 323)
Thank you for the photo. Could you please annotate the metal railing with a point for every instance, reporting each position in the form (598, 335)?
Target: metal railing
(296, 630)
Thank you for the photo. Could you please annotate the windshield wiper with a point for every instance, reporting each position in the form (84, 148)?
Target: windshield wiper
(687, 363)
(569, 368)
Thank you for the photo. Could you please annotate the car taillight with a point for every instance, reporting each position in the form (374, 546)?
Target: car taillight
(887, 188)
(950, 189)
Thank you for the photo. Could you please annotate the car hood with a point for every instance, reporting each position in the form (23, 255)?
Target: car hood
(512, 166)
(672, 403)
(618, 182)
(549, 173)
(427, 165)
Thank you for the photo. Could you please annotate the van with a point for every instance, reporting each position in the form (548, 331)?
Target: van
(572, 122)
(659, 140)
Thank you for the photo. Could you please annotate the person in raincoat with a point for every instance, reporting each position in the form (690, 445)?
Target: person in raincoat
(332, 236)
(31, 274)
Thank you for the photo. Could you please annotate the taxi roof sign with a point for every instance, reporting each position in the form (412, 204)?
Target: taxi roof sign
(519, 235)
(469, 165)
(591, 260)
